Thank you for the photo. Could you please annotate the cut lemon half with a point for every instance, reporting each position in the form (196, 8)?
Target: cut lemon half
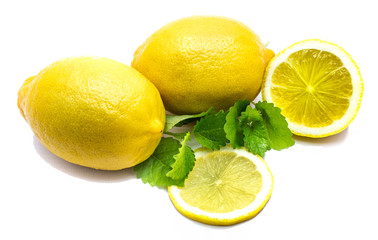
(317, 85)
(225, 187)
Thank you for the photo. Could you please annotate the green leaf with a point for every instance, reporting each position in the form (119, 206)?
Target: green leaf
(280, 136)
(154, 170)
(255, 134)
(259, 129)
(184, 161)
(178, 135)
(232, 127)
(179, 120)
(209, 130)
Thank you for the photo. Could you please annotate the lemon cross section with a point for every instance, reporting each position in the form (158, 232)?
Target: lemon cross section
(317, 85)
(225, 187)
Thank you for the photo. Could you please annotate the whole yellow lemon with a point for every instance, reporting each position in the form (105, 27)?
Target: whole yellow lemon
(203, 61)
(95, 112)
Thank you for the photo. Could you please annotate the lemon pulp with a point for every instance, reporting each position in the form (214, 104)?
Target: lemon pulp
(225, 187)
(216, 185)
(312, 87)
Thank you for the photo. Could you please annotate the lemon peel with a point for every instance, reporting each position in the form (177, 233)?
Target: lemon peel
(203, 61)
(94, 112)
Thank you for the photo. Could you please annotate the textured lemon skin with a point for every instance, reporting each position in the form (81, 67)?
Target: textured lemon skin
(203, 61)
(223, 219)
(94, 112)
(358, 85)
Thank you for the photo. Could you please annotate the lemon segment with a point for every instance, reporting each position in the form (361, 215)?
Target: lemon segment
(317, 85)
(225, 187)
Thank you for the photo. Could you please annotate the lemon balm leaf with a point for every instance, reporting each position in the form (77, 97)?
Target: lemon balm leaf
(209, 130)
(178, 120)
(279, 134)
(184, 161)
(265, 128)
(154, 170)
(255, 134)
(250, 115)
(232, 126)
(178, 135)
(256, 139)
(259, 129)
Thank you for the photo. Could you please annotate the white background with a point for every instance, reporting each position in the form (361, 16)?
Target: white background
(324, 188)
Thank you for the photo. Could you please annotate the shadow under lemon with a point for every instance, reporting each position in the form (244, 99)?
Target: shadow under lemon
(333, 139)
(82, 172)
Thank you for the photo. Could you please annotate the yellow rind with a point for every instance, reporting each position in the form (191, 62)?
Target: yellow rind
(357, 71)
(218, 220)
(200, 62)
(215, 221)
(94, 112)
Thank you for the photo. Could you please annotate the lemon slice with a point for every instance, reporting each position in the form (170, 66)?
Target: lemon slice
(225, 187)
(317, 85)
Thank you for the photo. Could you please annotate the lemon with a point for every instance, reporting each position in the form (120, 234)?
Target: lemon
(203, 61)
(225, 187)
(95, 112)
(317, 85)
